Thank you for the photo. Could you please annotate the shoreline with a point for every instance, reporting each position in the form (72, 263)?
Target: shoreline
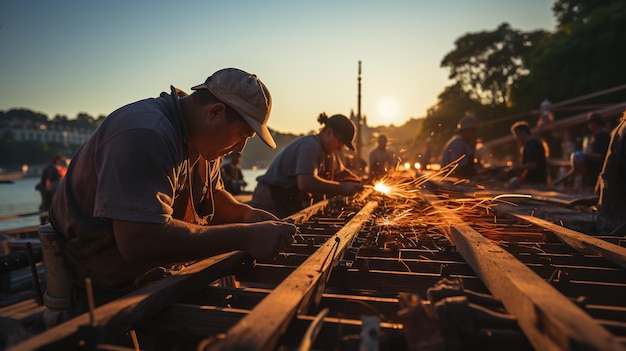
(7, 177)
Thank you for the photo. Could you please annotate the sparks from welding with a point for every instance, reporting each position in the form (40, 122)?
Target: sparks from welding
(533, 247)
(460, 181)
(466, 210)
(488, 202)
(297, 234)
(405, 265)
(402, 215)
(382, 187)
(399, 189)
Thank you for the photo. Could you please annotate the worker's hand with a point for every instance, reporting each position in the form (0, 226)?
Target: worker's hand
(347, 175)
(270, 238)
(350, 188)
(259, 215)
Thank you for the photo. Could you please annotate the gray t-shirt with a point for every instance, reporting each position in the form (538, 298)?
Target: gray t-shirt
(381, 161)
(302, 156)
(455, 148)
(135, 168)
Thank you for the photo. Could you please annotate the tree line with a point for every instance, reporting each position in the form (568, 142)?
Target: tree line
(508, 72)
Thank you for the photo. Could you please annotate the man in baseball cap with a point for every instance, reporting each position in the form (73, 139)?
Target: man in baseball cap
(246, 94)
(145, 192)
(308, 169)
(343, 129)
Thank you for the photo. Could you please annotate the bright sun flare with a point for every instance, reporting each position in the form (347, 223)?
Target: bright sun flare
(388, 109)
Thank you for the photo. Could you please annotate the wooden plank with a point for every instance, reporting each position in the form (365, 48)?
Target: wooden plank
(581, 242)
(267, 322)
(303, 215)
(19, 215)
(22, 310)
(21, 231)
(549, 319)
(117, 317)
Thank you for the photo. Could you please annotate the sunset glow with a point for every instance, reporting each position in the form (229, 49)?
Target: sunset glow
(308, 55)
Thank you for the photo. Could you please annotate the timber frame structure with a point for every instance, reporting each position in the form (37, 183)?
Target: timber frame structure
(351, 282)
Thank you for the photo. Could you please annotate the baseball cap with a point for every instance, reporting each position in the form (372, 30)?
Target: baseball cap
(467, 122)
(246, 94)
(343, 128)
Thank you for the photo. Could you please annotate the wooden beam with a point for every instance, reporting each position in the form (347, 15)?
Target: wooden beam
(19, 215)
(549, 319)
(304, 215)
(20, 231)
(266, 323)
(581, 242)
(117, 317)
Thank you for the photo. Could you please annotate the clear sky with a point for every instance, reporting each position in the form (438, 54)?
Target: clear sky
(67, 57)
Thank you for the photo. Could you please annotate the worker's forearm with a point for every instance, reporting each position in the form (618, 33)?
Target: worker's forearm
(228, 209)
(178, 241)
(318, 185)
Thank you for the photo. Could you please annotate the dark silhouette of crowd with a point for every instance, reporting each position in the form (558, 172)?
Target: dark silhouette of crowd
(599, 165)
(48, 183)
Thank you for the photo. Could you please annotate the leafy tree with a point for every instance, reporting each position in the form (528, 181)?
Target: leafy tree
(485, 64)
(23, 115)
(568, 12)
(453, 104)
(585, 55)
(60, 119)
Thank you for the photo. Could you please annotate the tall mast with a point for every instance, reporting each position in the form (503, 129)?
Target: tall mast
(359, 120)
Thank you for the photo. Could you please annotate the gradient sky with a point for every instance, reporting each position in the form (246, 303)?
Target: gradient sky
(68, 57)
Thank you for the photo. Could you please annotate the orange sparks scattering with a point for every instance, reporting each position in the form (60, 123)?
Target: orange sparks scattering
(381, 187)
(405, 193)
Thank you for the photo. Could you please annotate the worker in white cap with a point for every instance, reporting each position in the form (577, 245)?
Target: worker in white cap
(144, 192)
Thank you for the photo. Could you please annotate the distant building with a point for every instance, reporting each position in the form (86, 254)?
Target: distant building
(49, 132)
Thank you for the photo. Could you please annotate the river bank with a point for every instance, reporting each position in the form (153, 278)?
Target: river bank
(18, 197)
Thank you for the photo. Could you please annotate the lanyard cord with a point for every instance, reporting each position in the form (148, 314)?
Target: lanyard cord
(206, 190)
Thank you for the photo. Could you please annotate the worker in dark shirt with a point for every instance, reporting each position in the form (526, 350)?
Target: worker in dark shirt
(47, 186)
(596, 149)
(462, 144)
(612, 185)
(533, 170)
(232, 174)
